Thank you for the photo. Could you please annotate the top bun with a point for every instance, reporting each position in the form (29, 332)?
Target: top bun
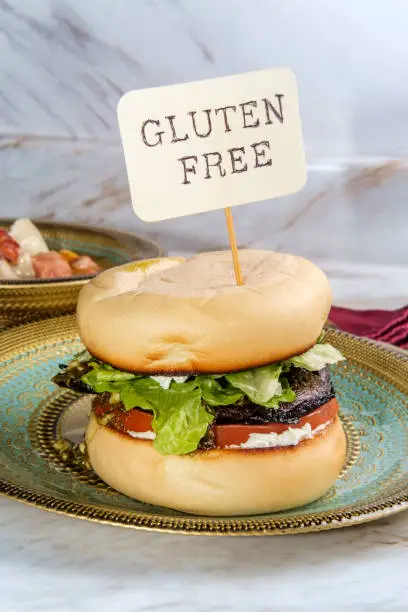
(171, 316)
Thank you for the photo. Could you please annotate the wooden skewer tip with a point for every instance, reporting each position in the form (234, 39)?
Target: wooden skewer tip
(234, 247)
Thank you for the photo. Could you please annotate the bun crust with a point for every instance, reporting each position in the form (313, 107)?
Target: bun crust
(220, 481)
(182, 317)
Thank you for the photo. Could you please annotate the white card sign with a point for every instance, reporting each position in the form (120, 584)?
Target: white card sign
(204, 145)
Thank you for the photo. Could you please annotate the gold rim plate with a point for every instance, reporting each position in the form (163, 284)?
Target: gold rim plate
(372, 387)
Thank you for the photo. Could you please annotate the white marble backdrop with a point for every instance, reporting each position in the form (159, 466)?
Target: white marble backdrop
(63, 66)
(65, 63)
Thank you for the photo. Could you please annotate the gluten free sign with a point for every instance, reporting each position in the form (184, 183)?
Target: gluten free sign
(204, 145)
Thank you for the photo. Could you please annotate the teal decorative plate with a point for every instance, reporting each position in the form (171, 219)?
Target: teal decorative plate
(372, 387)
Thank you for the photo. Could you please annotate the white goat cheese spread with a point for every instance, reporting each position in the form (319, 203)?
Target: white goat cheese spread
(290, 437)
(146, 435)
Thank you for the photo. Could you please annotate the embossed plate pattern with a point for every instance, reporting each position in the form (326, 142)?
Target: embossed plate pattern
(372, 387)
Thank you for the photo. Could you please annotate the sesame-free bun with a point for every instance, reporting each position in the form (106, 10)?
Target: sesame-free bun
(190, 316)
(219, 481)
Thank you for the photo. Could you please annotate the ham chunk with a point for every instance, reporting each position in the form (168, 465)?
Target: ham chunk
(9, 248)
(50, 265)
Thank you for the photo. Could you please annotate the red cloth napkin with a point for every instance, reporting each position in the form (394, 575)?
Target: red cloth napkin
(386, 325)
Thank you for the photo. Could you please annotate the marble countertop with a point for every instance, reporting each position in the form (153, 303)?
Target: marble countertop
(50, 562)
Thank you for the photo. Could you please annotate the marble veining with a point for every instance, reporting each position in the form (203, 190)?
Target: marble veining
(351, 217)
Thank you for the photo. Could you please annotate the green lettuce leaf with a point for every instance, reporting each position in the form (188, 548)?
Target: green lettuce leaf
(317, 357)
(260, 384)
(286, 395)
(141, 393)
(104, 377)
(180, 419)
(216, 394)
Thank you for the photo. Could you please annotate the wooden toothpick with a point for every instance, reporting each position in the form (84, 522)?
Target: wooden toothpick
(233, 244)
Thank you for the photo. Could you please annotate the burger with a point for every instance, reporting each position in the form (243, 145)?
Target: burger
(209, 397)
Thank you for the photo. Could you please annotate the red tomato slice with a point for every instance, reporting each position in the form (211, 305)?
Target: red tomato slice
(224, 435)
(135, 420)
(227, 435)
(130, 420)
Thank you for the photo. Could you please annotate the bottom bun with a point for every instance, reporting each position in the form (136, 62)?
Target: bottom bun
(218, 481)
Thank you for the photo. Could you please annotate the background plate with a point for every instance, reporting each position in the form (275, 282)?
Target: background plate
(372, 387)
(22, 301)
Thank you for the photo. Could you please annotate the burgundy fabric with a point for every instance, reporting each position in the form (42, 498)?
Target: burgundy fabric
(386, 325)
